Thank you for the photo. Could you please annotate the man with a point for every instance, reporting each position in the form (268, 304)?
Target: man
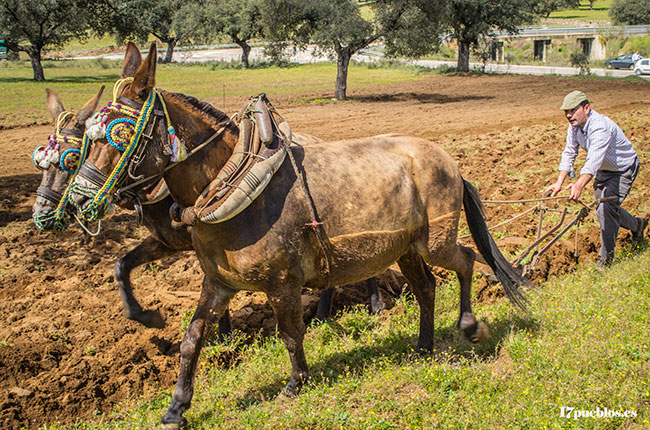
(611, 161)
(636, 57)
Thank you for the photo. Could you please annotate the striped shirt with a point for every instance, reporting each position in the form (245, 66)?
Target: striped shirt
(606, 145)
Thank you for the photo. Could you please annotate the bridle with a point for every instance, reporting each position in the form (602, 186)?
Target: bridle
(130, 135)
(49, 155)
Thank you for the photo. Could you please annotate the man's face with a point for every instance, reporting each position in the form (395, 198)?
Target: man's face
(577, 116)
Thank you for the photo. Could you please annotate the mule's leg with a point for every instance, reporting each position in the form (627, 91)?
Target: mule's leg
(423, 285)
(287, 306)
(148, 250)
(376, 302)
(213, 301)
(324, 310)
(462, 262)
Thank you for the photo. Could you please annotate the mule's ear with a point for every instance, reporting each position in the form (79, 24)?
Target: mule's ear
(89, 108)
(132, 60)
(54, 104)
(145, 78)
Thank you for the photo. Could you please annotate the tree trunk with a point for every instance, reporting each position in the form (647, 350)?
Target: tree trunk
(34, 53)
(171, 43)
(245, 52)
(463, 56)
(342, 63)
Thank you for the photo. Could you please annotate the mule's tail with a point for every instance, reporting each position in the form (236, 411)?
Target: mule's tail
(505, 273)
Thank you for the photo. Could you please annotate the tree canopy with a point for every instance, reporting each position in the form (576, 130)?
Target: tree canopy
(631, 12)
(31, 25)
(204, 20)
(545, 7)
(137, 19)
(469, 21)
(339, 28)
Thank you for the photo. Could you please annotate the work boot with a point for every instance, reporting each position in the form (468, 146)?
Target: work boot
(604, 264)
(637, 235)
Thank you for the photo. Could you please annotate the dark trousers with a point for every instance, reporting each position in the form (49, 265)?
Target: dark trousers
(611, 215)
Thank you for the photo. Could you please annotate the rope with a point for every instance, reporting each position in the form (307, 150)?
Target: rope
(542, 199)
(315, 223)
(504, 222)
(83, 226)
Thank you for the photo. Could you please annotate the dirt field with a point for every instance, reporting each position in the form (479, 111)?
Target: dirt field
(67, 352)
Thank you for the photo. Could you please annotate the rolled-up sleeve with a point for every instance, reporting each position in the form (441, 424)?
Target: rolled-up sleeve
(570, 153)
(599, 140)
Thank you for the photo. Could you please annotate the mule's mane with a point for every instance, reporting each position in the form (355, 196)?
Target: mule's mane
(210, 113)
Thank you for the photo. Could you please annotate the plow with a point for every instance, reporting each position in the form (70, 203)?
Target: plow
(527, 259)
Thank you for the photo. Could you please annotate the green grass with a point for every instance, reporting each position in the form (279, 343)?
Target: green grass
(600, 12)
(76, 81)
(583, 345)
(92, 43)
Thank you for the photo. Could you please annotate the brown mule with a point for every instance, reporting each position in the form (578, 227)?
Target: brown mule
(166, 237)
(383, 199)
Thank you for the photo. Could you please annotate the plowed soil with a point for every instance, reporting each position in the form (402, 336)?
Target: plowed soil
(66, 350)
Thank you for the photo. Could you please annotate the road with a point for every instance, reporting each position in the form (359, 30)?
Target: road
(310, 56)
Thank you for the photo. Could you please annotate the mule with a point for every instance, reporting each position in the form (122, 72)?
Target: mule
(166, 238)
(379, 200)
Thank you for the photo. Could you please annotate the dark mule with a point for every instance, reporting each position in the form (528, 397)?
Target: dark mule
(383, 199)
(166, 238)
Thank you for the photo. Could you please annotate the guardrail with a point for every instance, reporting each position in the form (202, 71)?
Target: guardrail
(626, 30)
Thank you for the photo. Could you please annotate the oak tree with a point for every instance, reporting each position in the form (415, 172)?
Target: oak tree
(31, 26)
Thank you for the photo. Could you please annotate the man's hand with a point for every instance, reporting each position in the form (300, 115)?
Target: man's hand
(576, 190)
(552, 190)
(577, 187)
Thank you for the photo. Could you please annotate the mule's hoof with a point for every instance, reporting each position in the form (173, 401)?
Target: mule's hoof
(151, 319)
(173, 422)
(482, 333)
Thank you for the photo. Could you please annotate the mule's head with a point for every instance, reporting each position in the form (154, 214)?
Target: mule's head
(125, 141)
(59, 159)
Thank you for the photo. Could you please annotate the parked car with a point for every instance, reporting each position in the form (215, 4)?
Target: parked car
(642, 67)
(621, 62)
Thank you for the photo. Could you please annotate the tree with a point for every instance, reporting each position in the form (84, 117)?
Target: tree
(545, 7)
(31, 25)
(337, 28)
(136, 19)
(631, 12)
(470, 21)
(204, 20)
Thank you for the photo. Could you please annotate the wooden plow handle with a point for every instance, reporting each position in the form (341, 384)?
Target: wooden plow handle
(577, 219)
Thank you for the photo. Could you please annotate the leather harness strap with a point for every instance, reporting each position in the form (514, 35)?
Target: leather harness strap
(49, 194)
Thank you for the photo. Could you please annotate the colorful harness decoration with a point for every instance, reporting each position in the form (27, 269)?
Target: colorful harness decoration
(120, 132)
(45, 156)
(125, 135)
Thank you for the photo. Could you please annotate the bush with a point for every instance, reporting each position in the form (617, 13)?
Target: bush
(580, 59)
(632, 12)
(638, 43)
